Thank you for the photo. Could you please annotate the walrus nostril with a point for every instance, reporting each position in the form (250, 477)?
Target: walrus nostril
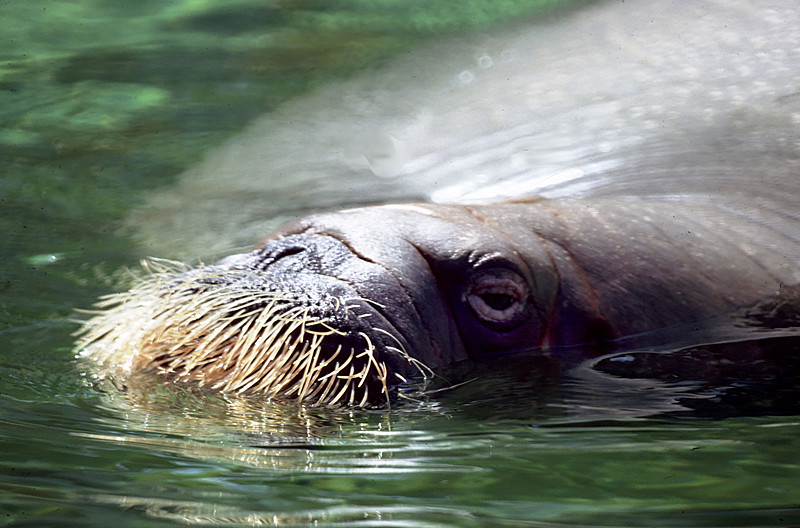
(287, 252)
(296, 253)
(270, 254)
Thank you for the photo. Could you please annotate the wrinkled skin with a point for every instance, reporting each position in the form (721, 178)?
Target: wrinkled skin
(457, 282)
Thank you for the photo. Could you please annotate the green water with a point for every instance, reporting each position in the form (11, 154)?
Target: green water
(104, 102)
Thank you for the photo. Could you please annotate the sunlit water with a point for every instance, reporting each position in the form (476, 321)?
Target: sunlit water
(102, 102)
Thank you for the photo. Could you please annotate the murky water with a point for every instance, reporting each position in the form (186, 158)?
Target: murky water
(109, 112)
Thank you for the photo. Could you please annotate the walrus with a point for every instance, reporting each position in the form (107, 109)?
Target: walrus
(649, 160)
(341, 308)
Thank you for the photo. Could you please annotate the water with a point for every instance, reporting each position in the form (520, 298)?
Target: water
(104, 105)
(166, 459)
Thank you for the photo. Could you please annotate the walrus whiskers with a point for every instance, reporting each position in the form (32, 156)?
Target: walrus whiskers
(424, 370)
(222, 329)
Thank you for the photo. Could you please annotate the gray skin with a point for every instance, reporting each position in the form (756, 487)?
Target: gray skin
(456, 282)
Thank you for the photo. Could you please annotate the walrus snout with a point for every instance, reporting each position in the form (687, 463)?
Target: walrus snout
(336, 308)
(284, 320)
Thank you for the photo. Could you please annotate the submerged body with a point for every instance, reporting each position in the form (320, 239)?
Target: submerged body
(636, 98)
(341, 307)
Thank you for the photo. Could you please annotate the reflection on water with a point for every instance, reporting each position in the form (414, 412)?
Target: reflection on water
(103, 101)
(204, 460)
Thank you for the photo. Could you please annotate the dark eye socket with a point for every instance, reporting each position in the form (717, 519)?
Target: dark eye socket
(498, 301)
(498, 298)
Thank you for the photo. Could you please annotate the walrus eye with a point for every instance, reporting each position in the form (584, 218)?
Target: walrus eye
(497, 298)
(498, 301)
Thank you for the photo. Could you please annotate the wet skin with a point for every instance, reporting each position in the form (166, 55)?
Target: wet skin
(343, 307)
(447, 283)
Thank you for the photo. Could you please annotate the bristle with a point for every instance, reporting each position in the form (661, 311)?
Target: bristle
(214, 328)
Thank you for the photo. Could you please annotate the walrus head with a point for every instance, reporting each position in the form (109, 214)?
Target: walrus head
(335, 308)
(344, 307)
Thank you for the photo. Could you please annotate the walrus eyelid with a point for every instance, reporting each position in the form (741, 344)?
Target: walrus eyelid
(489, 262)
(498, 298)
(494, 289)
